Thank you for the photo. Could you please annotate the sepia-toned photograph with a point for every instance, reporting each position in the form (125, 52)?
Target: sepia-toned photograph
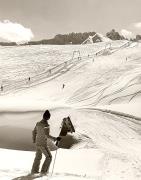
(70, 90)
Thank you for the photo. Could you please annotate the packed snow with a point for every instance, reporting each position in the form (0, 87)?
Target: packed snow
(101, 95)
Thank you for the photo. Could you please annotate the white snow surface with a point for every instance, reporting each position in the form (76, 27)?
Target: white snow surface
(103, 99)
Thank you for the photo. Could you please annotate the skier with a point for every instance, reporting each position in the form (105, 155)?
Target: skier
(1, 87)
(63, 86)
(40, 137)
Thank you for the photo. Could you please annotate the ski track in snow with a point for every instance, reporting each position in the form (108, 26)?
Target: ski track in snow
(84, 95)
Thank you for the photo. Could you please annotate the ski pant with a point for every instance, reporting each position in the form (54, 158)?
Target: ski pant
(48, 158)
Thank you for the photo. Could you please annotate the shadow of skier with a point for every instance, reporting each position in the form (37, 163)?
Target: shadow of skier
(28, 177)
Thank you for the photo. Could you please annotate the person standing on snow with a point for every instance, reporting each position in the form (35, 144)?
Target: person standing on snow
(63, 86)
(1, 87)
(40, 136)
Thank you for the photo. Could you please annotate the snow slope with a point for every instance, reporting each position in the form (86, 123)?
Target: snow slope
(108, 143)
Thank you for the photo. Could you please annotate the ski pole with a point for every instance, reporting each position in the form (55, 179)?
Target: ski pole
(57, 143)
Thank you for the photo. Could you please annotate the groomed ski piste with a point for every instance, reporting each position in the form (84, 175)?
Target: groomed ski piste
(103, 98)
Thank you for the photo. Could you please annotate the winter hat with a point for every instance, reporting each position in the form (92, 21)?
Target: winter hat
(46, 115)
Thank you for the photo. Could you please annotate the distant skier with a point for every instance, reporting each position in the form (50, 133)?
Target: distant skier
(63, 86)
(29, 79)
(1, 87)
(40, 138)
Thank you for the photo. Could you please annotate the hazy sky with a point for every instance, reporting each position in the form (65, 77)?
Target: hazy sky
(49, 17)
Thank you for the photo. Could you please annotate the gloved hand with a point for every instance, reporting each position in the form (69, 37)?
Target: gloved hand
(58, 138)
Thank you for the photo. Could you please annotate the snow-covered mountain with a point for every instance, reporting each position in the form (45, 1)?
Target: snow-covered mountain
(102, 97)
